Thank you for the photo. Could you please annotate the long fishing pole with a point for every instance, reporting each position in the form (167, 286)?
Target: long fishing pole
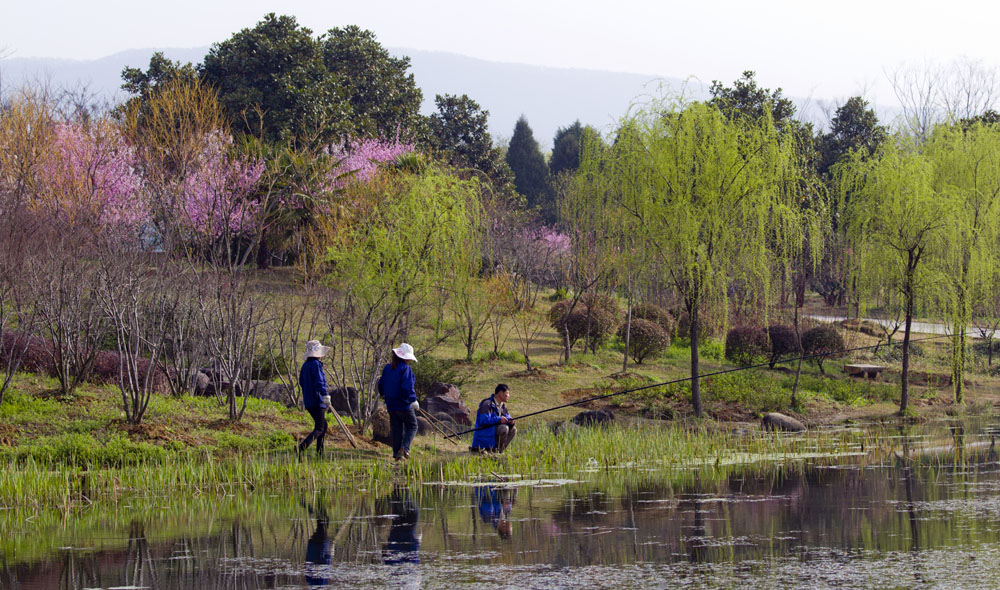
(689, 378)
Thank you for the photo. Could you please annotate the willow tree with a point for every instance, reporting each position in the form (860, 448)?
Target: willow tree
(706, 194)
(403, 237)
(894, 222)
(967, 178)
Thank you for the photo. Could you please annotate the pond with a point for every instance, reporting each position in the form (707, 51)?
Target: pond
(926, 515)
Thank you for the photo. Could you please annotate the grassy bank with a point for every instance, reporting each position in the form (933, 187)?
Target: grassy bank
(32, 484)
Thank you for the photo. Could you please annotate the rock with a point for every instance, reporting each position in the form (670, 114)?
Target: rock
(776, 421)
(345, 400)
(593, 417)
(381, 430)
(424, 427)
(446, 399)
(203, 384)
(276, 392)
(562, 427)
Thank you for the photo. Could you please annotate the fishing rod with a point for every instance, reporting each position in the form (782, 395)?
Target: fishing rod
(689, 378)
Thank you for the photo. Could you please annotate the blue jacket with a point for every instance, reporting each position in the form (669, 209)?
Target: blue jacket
(488, 414)
(313, 383)
(397, 387)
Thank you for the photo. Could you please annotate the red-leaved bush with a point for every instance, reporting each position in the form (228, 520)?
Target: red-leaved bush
(107, 366)
(746, 344)
(36, 358)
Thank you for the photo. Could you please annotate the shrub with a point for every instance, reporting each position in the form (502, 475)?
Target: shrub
(744, 345)
(784, 342)
(655, 314)
(559, 294)
(594, 318)
(824, 341)
(107, 367)
(646, 339)
(36, 358)
(707, 327)
(431, 370)
(267, 366)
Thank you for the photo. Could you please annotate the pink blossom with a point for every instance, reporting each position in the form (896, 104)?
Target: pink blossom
(216, 197)
(365, 155)
(552, 240)
(90, 178)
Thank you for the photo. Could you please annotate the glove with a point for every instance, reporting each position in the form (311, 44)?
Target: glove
(415, 406)
(327, 402)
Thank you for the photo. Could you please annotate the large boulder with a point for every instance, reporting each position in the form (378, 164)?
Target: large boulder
(446, 399)
(276, 392)
(345, 400)
(593, 417)
(776, 421)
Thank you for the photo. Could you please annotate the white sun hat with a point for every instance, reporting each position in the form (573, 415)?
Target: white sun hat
(314, 348)
(405, 351)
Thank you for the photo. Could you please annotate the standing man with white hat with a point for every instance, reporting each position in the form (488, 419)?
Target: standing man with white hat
(314, 394)
(397, 387)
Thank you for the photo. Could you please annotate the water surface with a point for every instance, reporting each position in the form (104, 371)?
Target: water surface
(924, 516)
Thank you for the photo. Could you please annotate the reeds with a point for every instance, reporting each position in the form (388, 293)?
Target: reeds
(664, 452)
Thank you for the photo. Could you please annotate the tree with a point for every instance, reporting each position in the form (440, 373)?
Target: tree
(745, 99)
(566, 146)
(383, 96)
(706, 191)
(966, 162)
(932, 93)
(854, 127)
(161, 70)
(272, 82)
(894, 221)
(398, 243)
(458, 132)
(528, 164)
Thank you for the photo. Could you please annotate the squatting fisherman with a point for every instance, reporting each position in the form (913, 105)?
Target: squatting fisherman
(494, 425)
(314, 393)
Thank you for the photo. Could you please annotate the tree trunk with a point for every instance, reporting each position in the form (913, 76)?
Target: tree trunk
(628, 325)
(959, 340)
(798, 343)
(695, 389)
(628, 335)
(905, 376)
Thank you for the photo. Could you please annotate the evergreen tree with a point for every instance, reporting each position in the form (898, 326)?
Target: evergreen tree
(566, 149)
(526, 160)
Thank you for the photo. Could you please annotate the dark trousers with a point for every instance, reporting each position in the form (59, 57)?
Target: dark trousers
(404, 427)
(319, 429)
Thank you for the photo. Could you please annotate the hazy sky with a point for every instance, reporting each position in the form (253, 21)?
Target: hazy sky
(826, 50)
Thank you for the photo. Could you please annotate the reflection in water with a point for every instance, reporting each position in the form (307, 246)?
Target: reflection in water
(495, 504)
(319, 548)
(904, 521)
(401, 550)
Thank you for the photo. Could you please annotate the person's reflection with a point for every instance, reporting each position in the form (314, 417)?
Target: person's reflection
(319, 548)
(495, 505)
(402, 547)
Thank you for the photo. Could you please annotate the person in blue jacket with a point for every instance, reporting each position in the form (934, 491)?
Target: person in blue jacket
(315, 398)
(397, 389)
(494, 426)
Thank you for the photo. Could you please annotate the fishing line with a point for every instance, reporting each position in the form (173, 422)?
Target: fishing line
(713, 374)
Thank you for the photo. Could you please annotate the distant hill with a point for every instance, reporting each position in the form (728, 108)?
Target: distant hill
(549, 97)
